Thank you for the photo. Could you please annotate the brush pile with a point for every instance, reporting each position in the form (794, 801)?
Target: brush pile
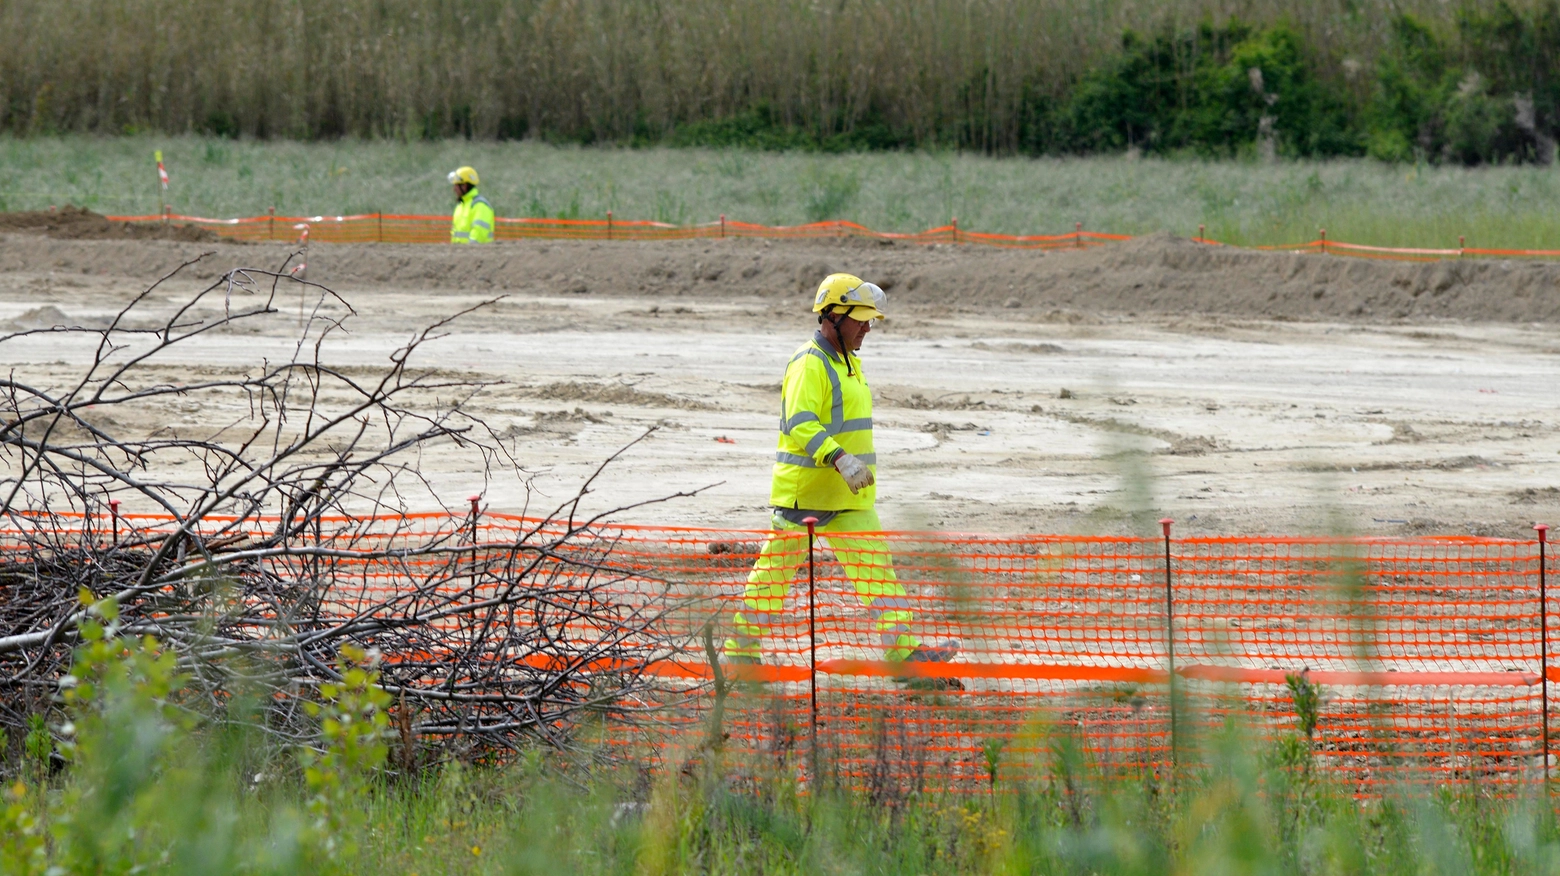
(258, 540)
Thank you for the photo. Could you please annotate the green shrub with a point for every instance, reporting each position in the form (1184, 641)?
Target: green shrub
(354, 726)
(1481, 127)
(829, 194)
(1517, 55)
(23, 849)
(1412, 84)
(150, 787)
(1456, 96)
(1213, 91)
(762, 127)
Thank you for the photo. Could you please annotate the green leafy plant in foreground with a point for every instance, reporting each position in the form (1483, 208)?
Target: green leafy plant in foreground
(122, 730)
(353, 728)
(1307, 699)
(22, 844)
(149, 788)
(991, 752)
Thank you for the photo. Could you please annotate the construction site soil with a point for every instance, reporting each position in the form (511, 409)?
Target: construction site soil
(1239, 392)
(76, 223)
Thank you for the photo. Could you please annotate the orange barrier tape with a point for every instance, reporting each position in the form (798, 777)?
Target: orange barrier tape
(1072, 672)
(403, 228)
(396, 228)
(1428, 648)
(1396, 253)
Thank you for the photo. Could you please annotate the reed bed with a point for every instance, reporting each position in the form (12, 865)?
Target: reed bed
(956, 72)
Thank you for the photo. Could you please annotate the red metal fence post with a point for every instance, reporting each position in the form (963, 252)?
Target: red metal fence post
(723, 226)
(1543, 642)
(812, 640)
(476, 514)
(1170, 638)
(609, 224)
(319, 542)
(1323, 233)
(113, 511)
(1078, 235)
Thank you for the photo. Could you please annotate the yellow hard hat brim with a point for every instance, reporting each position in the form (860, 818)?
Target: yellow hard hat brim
(865, 314)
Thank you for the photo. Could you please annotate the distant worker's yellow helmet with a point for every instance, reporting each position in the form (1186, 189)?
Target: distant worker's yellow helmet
(851, 296)
(465, 175)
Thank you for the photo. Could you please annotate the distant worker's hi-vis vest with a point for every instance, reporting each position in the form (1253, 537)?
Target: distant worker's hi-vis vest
(473, 220)
(824, 406)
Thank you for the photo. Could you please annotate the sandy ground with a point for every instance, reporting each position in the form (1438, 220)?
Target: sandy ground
(1015, 391)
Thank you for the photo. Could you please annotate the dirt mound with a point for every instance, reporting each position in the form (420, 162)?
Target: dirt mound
(47, 316)
(564, 424)
(1160, 272)
(1156, 274)
(51, 318)
(614, 393)
(78, 223)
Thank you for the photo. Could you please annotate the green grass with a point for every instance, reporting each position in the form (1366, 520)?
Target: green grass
(155, 780)
(152, 786)
(1221, 822)
(1241, 202)
(1242, 813)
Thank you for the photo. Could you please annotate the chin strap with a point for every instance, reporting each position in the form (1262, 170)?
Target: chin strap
(839, 339)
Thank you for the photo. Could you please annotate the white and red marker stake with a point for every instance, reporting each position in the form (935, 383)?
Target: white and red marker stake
(162, 186)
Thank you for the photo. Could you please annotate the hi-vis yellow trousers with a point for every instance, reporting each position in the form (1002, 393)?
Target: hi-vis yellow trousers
(866, 562)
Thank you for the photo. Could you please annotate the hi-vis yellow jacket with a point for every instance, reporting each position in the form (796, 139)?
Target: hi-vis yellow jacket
(473, 220)
(822, 409)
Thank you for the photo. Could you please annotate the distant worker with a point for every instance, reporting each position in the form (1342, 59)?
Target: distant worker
(826, 468)
(473, 219)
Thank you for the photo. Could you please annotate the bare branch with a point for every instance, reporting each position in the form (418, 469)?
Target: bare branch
(278, 536)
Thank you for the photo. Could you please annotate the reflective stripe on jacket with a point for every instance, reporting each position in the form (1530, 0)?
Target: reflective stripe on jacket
(473, 220)
(822, 409)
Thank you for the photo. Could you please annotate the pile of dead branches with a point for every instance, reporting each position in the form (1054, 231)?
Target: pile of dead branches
(259, 539)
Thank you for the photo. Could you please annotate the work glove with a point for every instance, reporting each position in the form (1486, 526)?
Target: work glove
(855, 472)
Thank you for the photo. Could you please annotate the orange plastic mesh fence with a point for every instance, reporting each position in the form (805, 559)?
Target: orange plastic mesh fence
(395, 228)
(1426, 650)
(398, 228)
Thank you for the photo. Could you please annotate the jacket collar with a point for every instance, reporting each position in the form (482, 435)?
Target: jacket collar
(469, 196)
(826, 347)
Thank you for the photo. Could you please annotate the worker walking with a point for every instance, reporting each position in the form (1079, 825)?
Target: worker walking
(473, 219)
(826, 468)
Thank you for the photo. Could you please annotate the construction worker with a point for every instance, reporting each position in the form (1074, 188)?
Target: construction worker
(825, 468)
(473, 219)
